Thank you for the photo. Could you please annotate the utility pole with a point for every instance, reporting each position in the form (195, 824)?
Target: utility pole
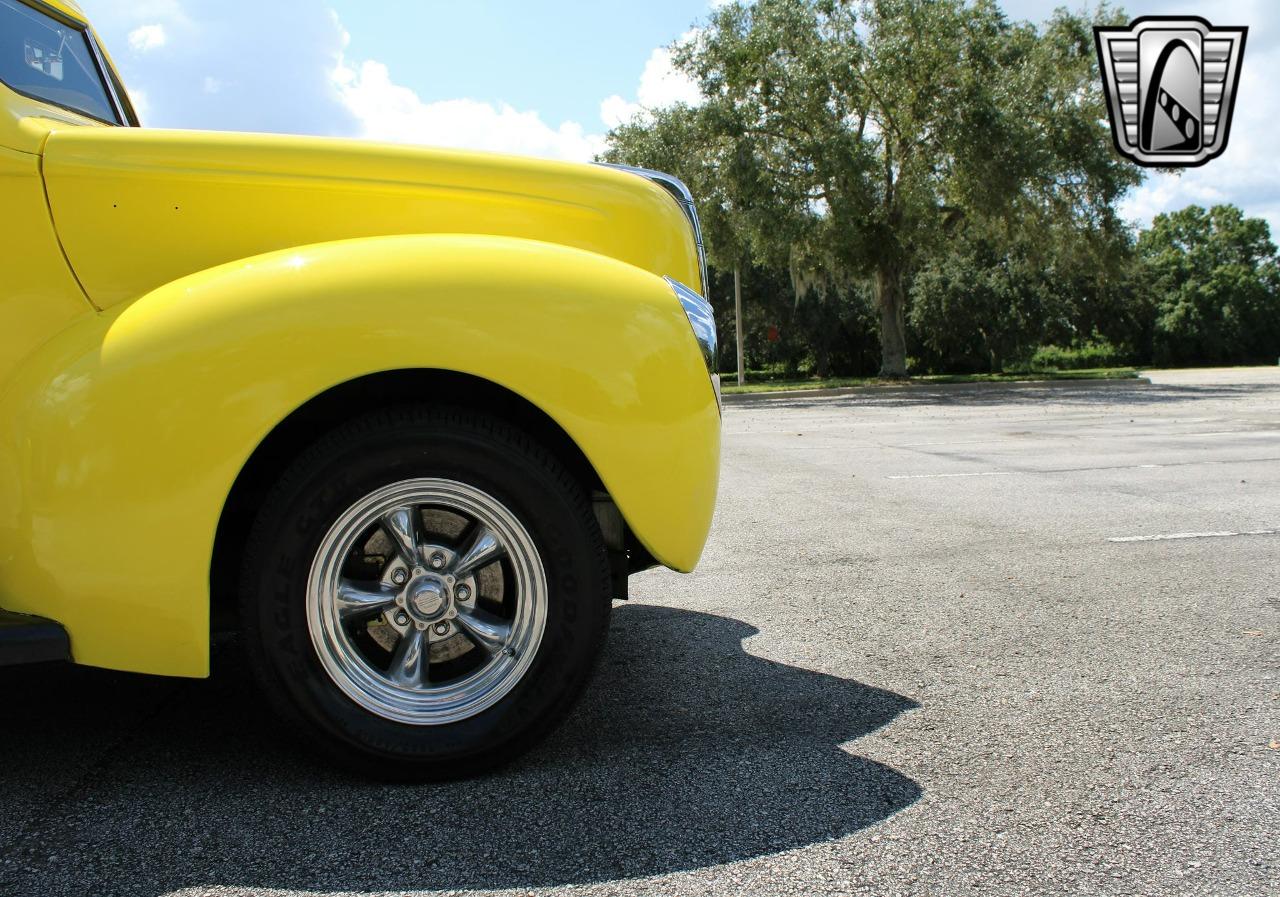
(737, 318)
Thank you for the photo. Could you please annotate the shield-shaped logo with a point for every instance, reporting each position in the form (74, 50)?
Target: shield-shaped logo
(1171, 87)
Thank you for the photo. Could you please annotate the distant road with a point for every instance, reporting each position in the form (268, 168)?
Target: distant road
(1214, 376)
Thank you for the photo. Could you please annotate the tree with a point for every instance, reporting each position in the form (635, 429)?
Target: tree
(993, 293)
(1213, 281)
(848, 136)
(746, 233)
(982, 303)
(678, 141)
(675, 140)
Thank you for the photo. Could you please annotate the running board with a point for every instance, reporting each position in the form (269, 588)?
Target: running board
(25, 639)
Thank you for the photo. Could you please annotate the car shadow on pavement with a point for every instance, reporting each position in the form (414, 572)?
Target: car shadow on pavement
(686, 752)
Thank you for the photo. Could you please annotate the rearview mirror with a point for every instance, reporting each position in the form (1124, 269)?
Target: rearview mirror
(44, 60)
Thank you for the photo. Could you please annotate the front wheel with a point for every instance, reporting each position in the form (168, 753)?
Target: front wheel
(425, 593)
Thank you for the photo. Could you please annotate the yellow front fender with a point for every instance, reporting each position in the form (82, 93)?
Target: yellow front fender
(121, 438)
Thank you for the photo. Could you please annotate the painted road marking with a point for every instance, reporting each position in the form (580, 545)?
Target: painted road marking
(1075, 436)
(1010, 473)
(1170, 536)
(946, 476)
(1227, 433)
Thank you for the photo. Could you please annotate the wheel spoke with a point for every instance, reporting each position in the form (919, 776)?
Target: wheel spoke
(409, 662)
(356, 603)
(489, 633)
(450, 616)
(482, 548)
(401, 525)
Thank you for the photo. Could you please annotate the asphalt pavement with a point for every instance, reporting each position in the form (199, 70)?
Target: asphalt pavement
(945, 641)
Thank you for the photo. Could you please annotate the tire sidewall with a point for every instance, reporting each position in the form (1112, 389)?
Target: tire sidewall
(340, 472)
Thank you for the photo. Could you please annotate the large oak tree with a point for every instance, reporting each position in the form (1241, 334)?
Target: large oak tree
(848, 136)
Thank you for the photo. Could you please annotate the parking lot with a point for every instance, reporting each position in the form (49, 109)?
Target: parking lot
(944, 640)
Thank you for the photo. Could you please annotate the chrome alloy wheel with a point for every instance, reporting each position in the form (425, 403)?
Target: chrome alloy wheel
(426, 601)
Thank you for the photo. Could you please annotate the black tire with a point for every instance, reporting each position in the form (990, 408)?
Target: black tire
(368, 453)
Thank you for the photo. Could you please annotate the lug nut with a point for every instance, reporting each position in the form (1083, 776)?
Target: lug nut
(402, 618)
(442, 629)
(399, 577)
(464, 594)
(437, 561)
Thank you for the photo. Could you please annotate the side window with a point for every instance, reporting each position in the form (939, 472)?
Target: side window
(48, 60)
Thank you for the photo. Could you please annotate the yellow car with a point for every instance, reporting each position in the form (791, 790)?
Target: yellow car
(406, 419)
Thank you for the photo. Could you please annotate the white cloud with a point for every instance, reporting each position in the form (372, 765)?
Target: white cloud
(615, 111)
(147, 37)
(661, 85)
(389, 111)
(392, 112)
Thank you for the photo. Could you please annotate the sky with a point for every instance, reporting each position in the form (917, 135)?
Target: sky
(546, 79)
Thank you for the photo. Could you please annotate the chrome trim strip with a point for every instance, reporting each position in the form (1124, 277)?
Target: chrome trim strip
(104, 73)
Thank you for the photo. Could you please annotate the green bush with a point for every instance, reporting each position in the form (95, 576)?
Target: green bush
(1099, 354)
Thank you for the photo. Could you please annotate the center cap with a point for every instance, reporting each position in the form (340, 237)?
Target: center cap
(427, 596)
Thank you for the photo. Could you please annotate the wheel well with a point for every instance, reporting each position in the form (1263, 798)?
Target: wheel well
(326, 411)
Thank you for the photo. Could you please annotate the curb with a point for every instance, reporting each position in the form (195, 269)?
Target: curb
(748, 398)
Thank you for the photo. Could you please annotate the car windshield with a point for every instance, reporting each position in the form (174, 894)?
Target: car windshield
(49, 60)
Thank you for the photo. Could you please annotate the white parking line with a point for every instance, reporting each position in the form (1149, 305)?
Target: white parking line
(1076, 436)
(1170, 536)
(1012, 473)
(1225, 433)
(947, 476)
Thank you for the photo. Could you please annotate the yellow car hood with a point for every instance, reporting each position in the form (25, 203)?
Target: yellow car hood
(138, 208)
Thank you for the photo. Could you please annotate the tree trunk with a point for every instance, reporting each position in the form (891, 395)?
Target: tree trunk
(822, 362)
(893, 330)
(994, 364)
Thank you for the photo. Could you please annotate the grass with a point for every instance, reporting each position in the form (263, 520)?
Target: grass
(732, 388)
